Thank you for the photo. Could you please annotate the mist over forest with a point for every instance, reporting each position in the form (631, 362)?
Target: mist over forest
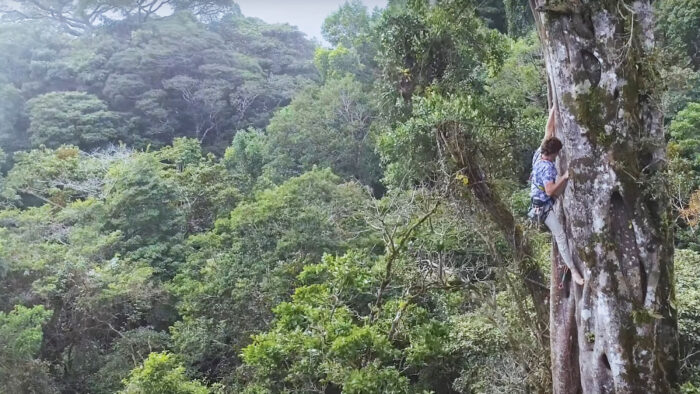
(193, 200)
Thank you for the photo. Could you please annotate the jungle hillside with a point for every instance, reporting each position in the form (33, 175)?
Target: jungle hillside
(196, 201)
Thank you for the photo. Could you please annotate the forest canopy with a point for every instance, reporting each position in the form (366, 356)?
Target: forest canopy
(196, 201)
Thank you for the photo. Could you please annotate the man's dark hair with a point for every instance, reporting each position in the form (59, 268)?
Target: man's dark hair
(551, 146)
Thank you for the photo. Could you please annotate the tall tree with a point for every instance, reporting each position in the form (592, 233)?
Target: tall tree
(598, 56)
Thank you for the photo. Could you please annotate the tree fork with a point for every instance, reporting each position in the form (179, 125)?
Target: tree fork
(599, 59)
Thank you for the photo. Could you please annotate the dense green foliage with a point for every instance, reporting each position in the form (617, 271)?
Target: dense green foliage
(237, 272)
(679, 26)
(165, 78)
(72, 118)
(21, 336)
(161, 374)
(194, 201)
(687, 265)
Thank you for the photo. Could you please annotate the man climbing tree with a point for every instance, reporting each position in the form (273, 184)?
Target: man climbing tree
(546, 187)
(617, 333)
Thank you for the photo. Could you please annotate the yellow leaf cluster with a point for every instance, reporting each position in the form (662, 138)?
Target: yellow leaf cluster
(462, 178)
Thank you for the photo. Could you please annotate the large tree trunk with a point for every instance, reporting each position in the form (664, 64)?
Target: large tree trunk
(617, 333)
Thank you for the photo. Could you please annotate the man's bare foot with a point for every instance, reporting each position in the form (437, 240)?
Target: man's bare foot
(577, 277)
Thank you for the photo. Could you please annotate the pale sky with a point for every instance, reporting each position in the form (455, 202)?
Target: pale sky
(307, 15)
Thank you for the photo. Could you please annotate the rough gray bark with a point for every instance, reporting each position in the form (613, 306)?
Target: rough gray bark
(617, 333)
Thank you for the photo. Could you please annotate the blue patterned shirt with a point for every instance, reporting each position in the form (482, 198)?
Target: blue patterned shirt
(543, 171)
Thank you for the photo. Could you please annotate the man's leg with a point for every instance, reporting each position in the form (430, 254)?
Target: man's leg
(560, 237)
